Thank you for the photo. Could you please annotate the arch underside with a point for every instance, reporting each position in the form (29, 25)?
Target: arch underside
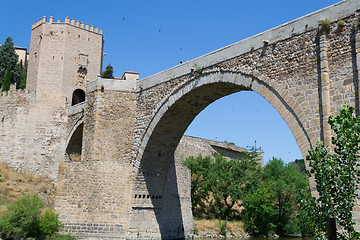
(74, 144)
(155, 169)
(175, 112)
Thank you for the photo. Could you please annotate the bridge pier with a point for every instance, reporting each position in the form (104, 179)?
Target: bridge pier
(95, 194)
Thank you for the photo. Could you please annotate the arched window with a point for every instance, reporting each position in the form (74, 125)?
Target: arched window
(78, 97)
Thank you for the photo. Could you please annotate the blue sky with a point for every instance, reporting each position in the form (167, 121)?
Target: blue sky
(151, 36)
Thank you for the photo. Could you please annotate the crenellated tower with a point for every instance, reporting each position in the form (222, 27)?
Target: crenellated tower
(62, 56)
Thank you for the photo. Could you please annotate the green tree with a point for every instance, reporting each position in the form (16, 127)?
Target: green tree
(8, 55)
(337, 176)
(199, 167)
(108, 73)
(29, 218)
(272, 207)
(21, 79)
(219, 183)
(299, 165)
(259, 214)
(7, 77)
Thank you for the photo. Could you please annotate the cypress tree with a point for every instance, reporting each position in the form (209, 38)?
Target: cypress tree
(7, 78)
(21, 84)
(21, 80)
(7, 54)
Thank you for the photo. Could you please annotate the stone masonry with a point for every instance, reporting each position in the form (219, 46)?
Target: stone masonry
(126, 184)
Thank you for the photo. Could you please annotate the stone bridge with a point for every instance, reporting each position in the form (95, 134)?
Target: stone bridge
(126, 184)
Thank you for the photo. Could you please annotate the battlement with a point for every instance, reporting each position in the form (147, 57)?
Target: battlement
(14, 93)
(68, 21)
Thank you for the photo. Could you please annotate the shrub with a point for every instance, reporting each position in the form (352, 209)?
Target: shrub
(325, 25)
(29, 218)
(341, 23)
(198, 69)
(222, 227)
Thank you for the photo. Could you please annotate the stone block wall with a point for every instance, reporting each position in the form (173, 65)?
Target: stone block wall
(94, 195)
(32, 133)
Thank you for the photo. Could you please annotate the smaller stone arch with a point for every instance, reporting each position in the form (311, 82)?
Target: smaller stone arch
(75, 139)
(78, 96)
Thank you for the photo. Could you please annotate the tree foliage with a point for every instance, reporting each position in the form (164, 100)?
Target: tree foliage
(108, 73)
(20, 79)
(29, 218)
(8, 55)
(336, 176)
(273, 206)
(7, 78)
(269, 196)
(217, 183)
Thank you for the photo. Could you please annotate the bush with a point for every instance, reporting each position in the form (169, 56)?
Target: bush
(29, 218)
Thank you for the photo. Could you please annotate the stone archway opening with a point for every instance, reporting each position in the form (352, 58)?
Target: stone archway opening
(243, 118)
(156, 158)
(74, 147)
(157, 173)
(78, 96)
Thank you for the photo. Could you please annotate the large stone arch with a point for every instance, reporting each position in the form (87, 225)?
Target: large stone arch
(156, 181)
(232, 82)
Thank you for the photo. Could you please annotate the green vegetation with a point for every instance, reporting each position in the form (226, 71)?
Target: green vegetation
(7, 77)
(336, 175)
(272, 207)
(217, 184)
(231, 143)
(266, 198)
(8, 57)
(198, 69)
(325, 25)
(29, 218)
(341, 23)
(108, 73)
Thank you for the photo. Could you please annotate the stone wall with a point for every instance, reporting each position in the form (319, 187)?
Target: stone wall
(32, 133)
(94, 195)
(195, 146)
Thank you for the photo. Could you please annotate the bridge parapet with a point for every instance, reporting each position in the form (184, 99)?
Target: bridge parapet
(100, 84)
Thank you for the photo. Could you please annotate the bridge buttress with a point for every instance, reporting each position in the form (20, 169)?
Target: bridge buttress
(94, 193)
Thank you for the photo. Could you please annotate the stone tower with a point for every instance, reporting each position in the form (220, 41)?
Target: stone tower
(63, 55)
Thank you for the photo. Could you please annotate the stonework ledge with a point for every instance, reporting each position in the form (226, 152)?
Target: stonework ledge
(77, 108)
(102, 84)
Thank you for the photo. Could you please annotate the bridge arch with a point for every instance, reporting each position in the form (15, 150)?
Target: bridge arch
(155, 162)
(186, 101)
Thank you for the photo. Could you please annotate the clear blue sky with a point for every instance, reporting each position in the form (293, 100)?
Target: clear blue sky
(151, 36)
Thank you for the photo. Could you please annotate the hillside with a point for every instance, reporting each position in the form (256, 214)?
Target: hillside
(13, 185)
